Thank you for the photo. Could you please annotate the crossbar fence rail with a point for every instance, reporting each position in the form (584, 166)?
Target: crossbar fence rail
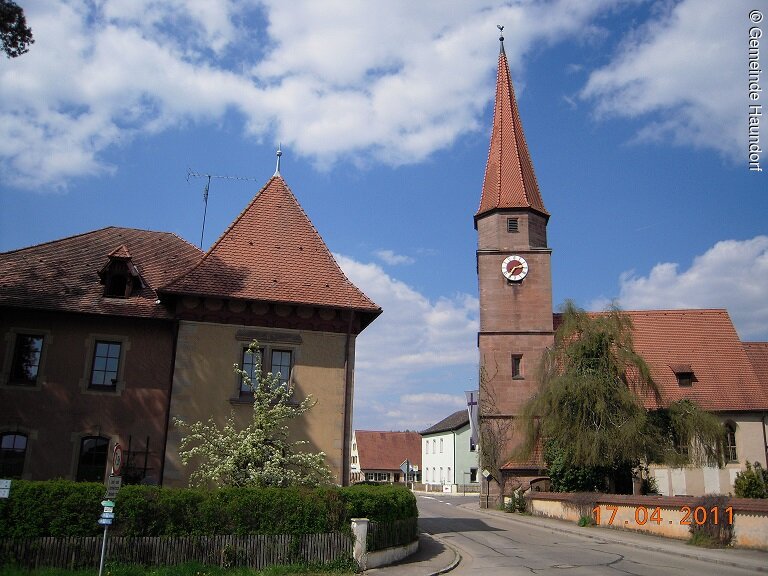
(253, 551)
(383, 535)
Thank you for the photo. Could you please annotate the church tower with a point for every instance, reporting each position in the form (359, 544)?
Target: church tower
(513, 265)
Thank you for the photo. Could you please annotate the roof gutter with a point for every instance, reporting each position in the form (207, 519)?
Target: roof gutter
(348, 389)
(765, 440)
(168, 403)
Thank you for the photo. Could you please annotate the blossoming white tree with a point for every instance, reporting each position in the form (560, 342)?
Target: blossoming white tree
(261, 454)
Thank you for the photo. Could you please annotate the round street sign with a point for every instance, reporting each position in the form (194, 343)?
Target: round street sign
(117, 460)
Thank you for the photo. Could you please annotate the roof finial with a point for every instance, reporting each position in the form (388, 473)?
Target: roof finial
(279, 153)
(501, 36)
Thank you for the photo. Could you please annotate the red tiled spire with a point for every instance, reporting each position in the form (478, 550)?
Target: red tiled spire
(272, 252)
(509, 178)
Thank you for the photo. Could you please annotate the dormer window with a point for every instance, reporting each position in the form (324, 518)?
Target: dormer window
(119, 275)
(684, 374)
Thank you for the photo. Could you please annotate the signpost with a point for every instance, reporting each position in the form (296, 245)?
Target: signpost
(113, 486)
(106, 519)
(406, 469)
(488, 477)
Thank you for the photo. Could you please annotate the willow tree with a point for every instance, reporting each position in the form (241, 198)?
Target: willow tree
(261, 453)
(589, 414)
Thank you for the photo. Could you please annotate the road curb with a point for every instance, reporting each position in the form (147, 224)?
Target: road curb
(605, 534)
(456, 555)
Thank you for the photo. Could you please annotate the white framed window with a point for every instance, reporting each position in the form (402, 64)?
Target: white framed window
(274, 360)
(441, 445)
(105, 364)
(377, 476)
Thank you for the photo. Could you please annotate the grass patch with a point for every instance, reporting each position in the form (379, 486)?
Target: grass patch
(189, 569)
(705, 541)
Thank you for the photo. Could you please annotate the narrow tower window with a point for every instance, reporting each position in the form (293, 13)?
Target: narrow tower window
(512, 225)
(517, 366)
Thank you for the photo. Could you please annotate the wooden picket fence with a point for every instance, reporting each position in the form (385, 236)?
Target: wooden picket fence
(255, 551)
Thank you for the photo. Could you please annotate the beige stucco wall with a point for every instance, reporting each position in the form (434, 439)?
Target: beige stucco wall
(697, 481)
(205, 386)
(750, 528)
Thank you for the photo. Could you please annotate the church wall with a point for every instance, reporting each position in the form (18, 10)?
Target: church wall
(492, 231)
(205, 385)
(499, 392)
(515, 306)
(697, 481)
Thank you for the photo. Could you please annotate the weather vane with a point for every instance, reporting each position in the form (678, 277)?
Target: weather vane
(501, 30)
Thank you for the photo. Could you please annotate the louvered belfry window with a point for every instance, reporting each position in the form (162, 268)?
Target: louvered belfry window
(512, 225)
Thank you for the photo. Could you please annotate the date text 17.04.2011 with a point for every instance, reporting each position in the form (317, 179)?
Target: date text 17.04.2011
(698, 515)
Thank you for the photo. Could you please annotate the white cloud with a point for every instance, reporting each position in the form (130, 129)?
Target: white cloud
(389, 257)
(685, 72)
(732, 274)
(414, 362)
(383, 82)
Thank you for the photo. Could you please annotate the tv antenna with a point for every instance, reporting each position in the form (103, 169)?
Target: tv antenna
(192, 174)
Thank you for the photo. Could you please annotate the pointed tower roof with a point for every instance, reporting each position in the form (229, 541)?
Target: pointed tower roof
(272, 252)
(510, 181)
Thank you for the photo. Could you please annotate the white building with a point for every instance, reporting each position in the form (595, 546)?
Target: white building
(448, 455)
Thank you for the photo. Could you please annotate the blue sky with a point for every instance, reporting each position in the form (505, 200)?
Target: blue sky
(635, 115)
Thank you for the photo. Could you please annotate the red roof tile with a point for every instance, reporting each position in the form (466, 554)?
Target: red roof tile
(703, 342)
(510, 181)
(757, 352)
(387, 450)
(534, 462)
(64, 274)
(272, 252)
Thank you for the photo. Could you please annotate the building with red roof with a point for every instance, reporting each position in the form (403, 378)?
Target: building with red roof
(380, 456)
(105, 337)
(270, 278)
(86, 353)
(693, 354)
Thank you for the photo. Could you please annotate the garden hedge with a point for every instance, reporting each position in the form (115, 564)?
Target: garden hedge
(64, 508)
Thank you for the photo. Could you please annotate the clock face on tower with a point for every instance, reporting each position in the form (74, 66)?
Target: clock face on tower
(514, 268)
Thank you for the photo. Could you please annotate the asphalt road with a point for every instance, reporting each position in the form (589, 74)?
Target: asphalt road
(503, 545)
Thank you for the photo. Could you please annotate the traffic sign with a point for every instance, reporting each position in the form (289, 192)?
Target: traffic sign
(113, 486)
(107, 503)
(108, 509)
(105, 521)
(117, 460)
(5, 488)
(108, 515)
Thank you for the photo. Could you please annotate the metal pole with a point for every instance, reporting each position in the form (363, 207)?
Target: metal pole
(103, 550)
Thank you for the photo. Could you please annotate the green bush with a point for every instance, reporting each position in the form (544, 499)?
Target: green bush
(52, 508)
(752, 483)
(516, 502)
(64, 508)
(383, 503)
